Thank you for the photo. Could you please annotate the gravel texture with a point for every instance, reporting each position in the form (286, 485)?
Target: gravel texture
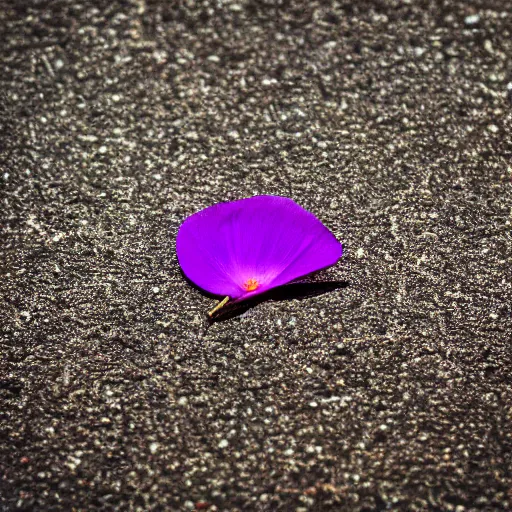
(390, 120)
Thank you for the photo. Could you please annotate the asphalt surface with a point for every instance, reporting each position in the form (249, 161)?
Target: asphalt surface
(390, 120)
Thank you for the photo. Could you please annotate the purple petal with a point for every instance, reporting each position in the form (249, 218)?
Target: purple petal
(246, 247)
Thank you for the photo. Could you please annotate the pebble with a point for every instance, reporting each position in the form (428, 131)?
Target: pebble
(192, 136)
(472, 19)
(488, 46)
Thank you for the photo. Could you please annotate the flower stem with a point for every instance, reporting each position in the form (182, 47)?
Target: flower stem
(219, 305)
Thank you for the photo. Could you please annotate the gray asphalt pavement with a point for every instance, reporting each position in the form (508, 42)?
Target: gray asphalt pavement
(390, 120)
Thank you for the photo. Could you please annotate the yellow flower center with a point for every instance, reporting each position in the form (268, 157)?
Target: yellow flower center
(251, 285)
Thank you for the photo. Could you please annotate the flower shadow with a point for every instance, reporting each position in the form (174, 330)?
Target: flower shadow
(297, 291)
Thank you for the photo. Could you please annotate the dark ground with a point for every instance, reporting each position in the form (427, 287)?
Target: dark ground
(391, 121)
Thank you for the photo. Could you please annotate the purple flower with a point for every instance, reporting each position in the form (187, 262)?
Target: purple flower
(246, 247)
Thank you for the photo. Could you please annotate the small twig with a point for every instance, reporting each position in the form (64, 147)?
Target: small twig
(220, 304)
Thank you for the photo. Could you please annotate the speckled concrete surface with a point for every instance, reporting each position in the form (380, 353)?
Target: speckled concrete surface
(390, 120)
